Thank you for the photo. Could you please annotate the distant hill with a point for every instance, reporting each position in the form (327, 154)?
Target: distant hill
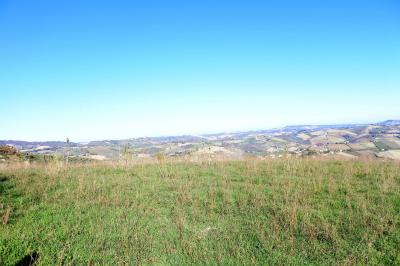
(389, 123)
(351, 140)
(36, 143)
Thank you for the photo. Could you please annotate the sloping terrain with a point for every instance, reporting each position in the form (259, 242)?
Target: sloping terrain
(380, 140)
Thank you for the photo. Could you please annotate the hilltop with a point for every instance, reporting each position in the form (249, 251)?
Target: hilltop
(272, 212)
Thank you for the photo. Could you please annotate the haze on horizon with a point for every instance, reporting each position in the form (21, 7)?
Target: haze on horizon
(122, 69)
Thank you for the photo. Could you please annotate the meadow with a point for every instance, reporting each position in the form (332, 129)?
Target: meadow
(251, 212)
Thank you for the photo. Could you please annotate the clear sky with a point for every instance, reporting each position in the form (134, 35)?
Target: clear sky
(118, 69)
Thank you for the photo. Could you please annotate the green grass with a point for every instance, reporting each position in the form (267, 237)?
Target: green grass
(380, 145)
(295, 212)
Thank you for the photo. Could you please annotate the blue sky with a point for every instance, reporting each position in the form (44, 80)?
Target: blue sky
(119, 69)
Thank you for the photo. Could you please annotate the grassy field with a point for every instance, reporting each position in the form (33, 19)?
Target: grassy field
(289, 211)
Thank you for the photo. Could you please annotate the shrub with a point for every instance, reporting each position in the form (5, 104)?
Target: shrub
(8, 150)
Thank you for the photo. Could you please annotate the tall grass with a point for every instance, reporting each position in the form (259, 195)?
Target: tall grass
(289, 211)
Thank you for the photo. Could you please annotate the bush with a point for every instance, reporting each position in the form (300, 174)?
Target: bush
(8, 150)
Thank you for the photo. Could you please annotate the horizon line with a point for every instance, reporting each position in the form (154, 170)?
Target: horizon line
(209, 133)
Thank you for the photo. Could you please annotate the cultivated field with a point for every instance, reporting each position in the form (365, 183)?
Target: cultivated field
(273, 212)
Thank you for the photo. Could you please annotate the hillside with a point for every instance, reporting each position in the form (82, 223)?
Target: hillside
(379, 140)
